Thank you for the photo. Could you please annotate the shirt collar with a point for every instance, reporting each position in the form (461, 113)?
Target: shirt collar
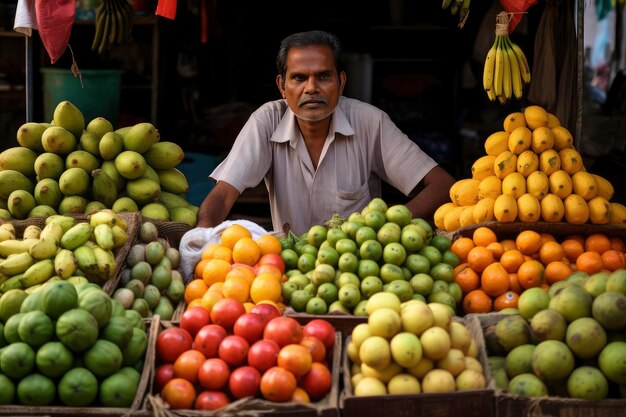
(288, 130)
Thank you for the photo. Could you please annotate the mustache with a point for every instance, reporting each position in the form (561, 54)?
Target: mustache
(308, 98)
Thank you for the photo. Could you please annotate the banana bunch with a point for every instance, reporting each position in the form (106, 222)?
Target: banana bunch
(506, 70)
(460, 7)
(114, 22)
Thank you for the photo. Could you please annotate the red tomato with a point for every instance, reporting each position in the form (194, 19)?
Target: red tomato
(244, 381)
(317, 381)
(187, 365)
(163, 375)
(283, 330)
(234, 350)
(278, 384)
(194, 318)
(321, 329)
(179, 394)
(213, 374)
(266, 310)
(316, 348)
(273, 259)
(171, 343)
(263, 354)
(211, 400)
(296, 359)
(226, 311)
(208, 339)
(250, 326)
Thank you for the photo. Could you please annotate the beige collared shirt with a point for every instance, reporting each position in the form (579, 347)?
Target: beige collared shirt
(362, 148)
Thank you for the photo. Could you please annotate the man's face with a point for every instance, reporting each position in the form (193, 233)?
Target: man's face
(311, 86)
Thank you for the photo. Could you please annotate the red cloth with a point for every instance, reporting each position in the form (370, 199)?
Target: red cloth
(517, 7)
(55, 19)
(166, 8)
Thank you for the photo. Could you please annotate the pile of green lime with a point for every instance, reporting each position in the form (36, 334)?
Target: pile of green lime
(338, 266)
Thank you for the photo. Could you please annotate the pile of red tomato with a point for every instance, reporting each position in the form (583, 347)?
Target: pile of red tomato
(212, 359)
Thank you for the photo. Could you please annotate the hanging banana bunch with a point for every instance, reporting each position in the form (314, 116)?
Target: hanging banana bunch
(506, 70)
(460, 7)
(114, 23)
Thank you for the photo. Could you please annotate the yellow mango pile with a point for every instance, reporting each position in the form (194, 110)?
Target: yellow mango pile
(531, 172)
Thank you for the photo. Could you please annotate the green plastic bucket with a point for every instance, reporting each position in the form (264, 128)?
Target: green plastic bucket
(99, 96)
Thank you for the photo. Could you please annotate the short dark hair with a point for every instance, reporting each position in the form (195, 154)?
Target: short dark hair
(301, 39)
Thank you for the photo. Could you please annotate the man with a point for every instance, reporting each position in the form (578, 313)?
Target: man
(318, 152)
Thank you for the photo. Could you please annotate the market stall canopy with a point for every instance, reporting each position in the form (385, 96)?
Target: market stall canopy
(52, 18)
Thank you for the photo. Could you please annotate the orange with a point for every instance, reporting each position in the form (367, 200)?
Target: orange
(215, 271)
(270, 269)
(459, 267)
(232, 234)
(508, 244)
(483, 236)
(477, 301)
(578, 238)
(497, 249)
(248, 306)
(240, 272)
(269, 244)
(613, 260)
(590, 262)
(209, 299)
(557, 271)
(300, 396)
(223, 253)
(495, 279)
(195, 289)
(546, 237)
(199, 268)
(479, 257)
(530, 274)
(246, 251)
(528, 242)
(194, 303)
(511, 260)
(467, 279)
(550, 252)
(507, 300)
(237, 288)
(265, 287)
(572, 249)
(209, 249)
(617, 244)
(461, 247)
(295, 358)
(217, 287)
(597, 242)
(514, 284)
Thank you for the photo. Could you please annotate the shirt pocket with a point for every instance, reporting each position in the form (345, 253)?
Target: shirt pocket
(351, 201)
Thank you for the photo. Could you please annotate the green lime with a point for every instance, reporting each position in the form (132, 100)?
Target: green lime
(401, 288)
(300, 280)
(328, 255)
(337, 306)
(299, 299)
(347, 278)
(394, 253)
(290, 257)
(323, 273)
(310, 288)
(363, 234)
(417, 263)
(377, 204)
(450, 258)
(316, 305)
(306, 262)
(349, 295)
(7, 390)
(411, 239)
(316, 235)
(442, 271)
(298, 246)
(348, 262)
(425, 226)
(439, 286)
(375, 219)
(334, 234)
(287, 243)
(441, 242)
(371, 285)
(310, 249)
(391, 272)
(288, 288)
(422, 283)
(328, 292)
(388, 233)
(423, 233)
(455, 291)
(399, 214)
(407, 273)
(368, 267)
(352, 226)
(346, 245)
(431, 253)
(371, 249)
(356, 217)
(359, 309)
(419, 297)
(443, 298)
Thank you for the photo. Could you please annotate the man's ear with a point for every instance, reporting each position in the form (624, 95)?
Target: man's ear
(279, 83)
(342, 81)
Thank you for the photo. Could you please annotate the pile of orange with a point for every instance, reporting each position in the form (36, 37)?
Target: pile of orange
(240, 267)
(493, 273)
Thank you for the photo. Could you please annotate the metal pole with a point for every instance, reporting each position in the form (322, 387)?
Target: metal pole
(28, 52)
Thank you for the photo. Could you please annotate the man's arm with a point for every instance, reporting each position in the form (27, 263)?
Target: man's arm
(217, 204)
(435, 192)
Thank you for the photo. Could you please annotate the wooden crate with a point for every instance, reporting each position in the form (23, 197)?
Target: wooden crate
(342, 322)
(558, 229)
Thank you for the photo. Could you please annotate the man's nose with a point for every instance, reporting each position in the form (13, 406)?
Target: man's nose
(311, 84)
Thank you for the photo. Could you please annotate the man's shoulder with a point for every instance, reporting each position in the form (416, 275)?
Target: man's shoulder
(353, 107)
(274, 107)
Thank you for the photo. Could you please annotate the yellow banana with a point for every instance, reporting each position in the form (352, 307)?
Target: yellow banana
(86, 259)
(488, 70)
(107, 216)
(66, 222)
(8, 227)
(507, 85)
(10, 247)
(499, 69)
(38, 273)
(45, 248)
(31, 232)
(12, 283)
(516, 76)
(16, 264)
(6, 235)
(52, 229)
(523, 63)
(119, 236)
(65, 263)
(104, 236)
(491, 95)
(76, 236)
(105, 261)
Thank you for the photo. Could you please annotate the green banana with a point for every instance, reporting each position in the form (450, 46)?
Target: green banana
(109, 217)
(39, 273)
(104, 236)
(104, 188)
(105, 261)
(66, 222)
(3, 278)
(76, 236)
(16, 264)
(12, 283)
(100, 15)
(65, 263)
(31, 232)
(10, 247)
(86, 259)
(52, 229)
(119, 236)
(45, 248)
(77, 280)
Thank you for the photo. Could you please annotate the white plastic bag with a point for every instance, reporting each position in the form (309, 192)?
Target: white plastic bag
(194, 241)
